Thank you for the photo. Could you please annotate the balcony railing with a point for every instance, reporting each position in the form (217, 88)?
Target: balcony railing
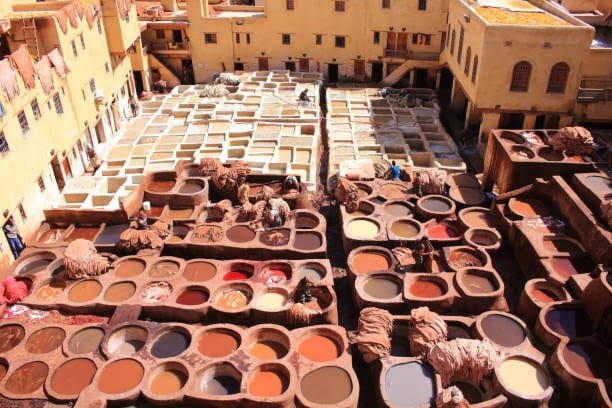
(412, 55)
(594, 95)
(167, 46)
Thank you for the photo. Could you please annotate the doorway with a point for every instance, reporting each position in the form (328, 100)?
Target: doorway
(511, 121)
(177, 36)
(446, 86)
(359, 68)
(420, 78)
(187, 67)
(332, 72)
(397, 45)
(67, 169)
(138, 82)
(304, 65)
(238, 66)
(539, 122)
(552, 121)
(290, 66)
(377, 71)
(262, 64)
(57, 173)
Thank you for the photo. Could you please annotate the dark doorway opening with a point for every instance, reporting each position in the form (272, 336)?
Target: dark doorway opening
(138, 82)
(540, 121)
(177, 36)
(511, 121)
(377, 71)
(238, 66)
(552, 121)
(187, 66)
(420, 78)
(446, 86)
(290, 65)
(332, 73)
(262, 64)
(57, 173)
(5, 50)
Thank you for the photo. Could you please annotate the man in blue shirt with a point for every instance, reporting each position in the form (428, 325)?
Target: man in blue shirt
(395, 171)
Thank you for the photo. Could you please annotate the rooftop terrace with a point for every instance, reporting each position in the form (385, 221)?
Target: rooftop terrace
(516, 12)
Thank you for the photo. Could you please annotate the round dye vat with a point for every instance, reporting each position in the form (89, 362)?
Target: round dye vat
(85, 291)
(478, 219)
(267, 384)
(564, 267)
(86, 340)
(457, 331)
(267, 350)
(3, 370)
(72, 376)
(236, 276)
(410, 384)
(426, 289)
(272, 301)
(503, 330)
(127, 341)
(221, 385)
(364, 262)
(190, 188)
(120, 376)
(27, 378)
(50, 290)
(314, 272)
(364, 191)
(170, 344)
(275, 275)
(319, 348)
(381, 288)
(467, 195)
(120, 291)
(10, 336)
(192, 297)
(599, 183)
(206, 234)
(569, 322)
(529, 207)
(240, 234)
(362, 228)
(35, 266)
(397, 210)
(327, 385)
(199, 271)
(523, 377)
(477, 283)
(45, 340)
(164, 269)
(463, 258)
(543, 295)
(405, 229)
(168, 382)
(436, 204)
(471, 393)
(129, 268)
(442, 231)
(217, 344)
(275, 237)
(233, 299)
(393, 191)
(82, 233)
(306, 221)
(307, 241)
(587, 361)
(155, 292)
(161, 186)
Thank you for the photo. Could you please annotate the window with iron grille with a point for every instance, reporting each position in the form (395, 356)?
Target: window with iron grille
(474, 69)
(376, 37)
(23, 122)
(248, 38)
(237, 38)
(4, 146)
(22, 212)
(415, 38)
(452, 48)
(558, 78)
(74, 49)
(36, 109)
(386, 4)
(427, 39)
(468, 57)
(520, 77)
(210, 38)
(340, 41)
(460, 47)
(92, 85)
(422, 4)
(290, 5)
(82, 41)
(340, 6)
(41, 184)
(58, 104)
(318, 39)
(286, 40)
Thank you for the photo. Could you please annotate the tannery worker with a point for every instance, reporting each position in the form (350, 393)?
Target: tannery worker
(304, 99)
(14, 239)
(395, 171)
(142, 220)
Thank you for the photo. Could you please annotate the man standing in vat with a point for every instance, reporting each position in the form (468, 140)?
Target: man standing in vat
(395, 171)
(14, 238)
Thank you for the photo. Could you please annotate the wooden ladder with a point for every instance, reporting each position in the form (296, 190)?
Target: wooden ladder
(30, 36)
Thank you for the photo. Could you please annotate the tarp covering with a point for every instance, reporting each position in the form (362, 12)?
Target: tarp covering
(374, 333)
(8, 79)
(45, 74)
(59, 63)
(22, 61)
(463, 360)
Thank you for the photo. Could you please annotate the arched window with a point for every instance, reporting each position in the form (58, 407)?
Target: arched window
(520, 77)
(474, 69)
(558, 78)
(452, 50)
(468, 57)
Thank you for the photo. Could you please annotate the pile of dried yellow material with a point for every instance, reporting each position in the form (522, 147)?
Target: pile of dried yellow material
(502, 16)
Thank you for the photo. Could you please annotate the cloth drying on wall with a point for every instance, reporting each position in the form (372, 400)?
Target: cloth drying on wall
(22, 61)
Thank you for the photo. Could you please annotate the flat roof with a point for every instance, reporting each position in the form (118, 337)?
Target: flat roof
(516, 12)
